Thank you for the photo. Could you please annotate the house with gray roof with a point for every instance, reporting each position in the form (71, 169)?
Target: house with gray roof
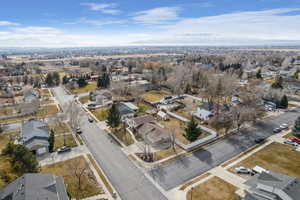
(273, 186)
(35, 135)
(35, 186)
(126, 110)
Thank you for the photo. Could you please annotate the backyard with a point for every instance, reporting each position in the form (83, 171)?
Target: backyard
(213, 189)
(89, 185)
(155, 95)
(190, 107)
(275, 157)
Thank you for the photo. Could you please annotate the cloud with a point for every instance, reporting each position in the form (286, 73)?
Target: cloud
(162, 15)
(100, 22)
(7, 23)
(106, 8)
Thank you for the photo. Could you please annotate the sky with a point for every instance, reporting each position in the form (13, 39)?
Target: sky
(92, 23)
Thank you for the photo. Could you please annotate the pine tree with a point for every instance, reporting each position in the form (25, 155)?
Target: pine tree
(258, 74)
(284, 102)
(192, 132)
(49, 80)
(51, 142)
(114, 118)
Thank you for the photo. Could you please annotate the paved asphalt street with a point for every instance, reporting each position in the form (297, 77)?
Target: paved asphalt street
(192, 165)
(128, 180)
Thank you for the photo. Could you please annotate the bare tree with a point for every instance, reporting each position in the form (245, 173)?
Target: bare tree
(73, 114)
(78, 169)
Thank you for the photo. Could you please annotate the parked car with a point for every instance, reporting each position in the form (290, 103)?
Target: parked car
(91, 120)
(259, 140)
(277, 130)
(242, 170)
(78, 130)
(295, 140)
(64, 149)
(290, 142)
(284, 126)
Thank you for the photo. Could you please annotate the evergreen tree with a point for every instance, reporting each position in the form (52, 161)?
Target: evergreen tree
(22, 160)
(284, 102)
(114, 118)
(56, 78)
(278, 83)
(258, 74)
(49, 80)
(192, 132)
(296, 129)
(81, 82)
(51, 142)
(65, 80)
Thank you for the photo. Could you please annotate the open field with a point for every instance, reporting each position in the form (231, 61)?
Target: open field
(89, 87)
(59, 141)
(275, 157)
(89, 186)
(213, 189)
(154, 95)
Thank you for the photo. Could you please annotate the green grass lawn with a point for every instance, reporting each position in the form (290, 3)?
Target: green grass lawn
(59, 141)
(89, 186)
(84, 99)
(89, 87)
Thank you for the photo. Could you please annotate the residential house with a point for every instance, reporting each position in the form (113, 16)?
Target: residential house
(35, 186)
(162, 115)
(136, 122)
(101, 98)
(273, 186)
(35, 136)
(154, 135)
(127, 110)
(205, 111)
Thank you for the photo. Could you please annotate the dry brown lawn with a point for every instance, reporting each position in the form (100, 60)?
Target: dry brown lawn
(84, 99)
(275, 157)
(101, 114)
(165, 153)
(154, 95)
(59, 141)
(89, 87)
(89, 186)
(59, 128)
(213, 189)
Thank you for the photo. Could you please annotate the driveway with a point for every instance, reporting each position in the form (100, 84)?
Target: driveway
(199, 162)
(128, 180)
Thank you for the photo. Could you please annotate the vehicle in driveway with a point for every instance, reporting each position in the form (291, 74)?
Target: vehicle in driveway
(284, 126)
(242, 170)
(64, 149)
(295, 140)
(290, 142)
(91, 120)
(277, 130)
(78, 130)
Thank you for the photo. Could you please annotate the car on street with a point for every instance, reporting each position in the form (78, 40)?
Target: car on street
(290, 142)
(78, 130)
(64, 149)
(91, 120)
(284, 126)
(242, 170)
(259, 140)
(277, 130)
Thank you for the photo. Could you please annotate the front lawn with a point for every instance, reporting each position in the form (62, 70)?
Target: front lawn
(213, 189)
(275, 157)
(59, 141)
(101, 114)
(84, 99)
(165, 153)
(59, 128)
(89, 185)
(123, 136)
(88, 88)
